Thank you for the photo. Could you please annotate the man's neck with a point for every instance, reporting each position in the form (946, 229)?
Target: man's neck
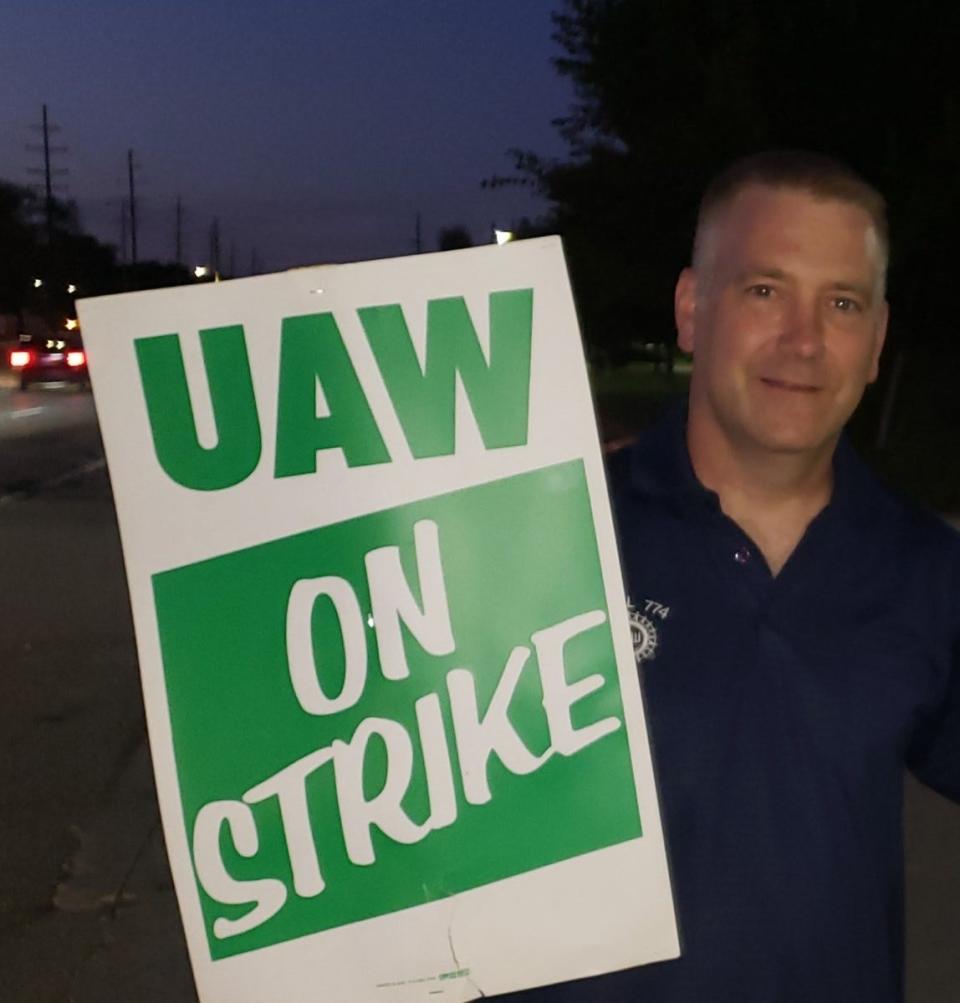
(772, 496)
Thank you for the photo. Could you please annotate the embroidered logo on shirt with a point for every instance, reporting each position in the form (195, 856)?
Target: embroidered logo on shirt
(644, 629)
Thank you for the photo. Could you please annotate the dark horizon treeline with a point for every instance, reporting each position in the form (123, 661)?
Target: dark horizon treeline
(68, 263)
(667, 94)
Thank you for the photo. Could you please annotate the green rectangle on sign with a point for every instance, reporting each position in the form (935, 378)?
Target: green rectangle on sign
(343, 754)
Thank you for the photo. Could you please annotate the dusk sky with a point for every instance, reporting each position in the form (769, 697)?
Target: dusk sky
(313, 131)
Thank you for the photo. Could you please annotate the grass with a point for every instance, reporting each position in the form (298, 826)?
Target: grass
(628, 398)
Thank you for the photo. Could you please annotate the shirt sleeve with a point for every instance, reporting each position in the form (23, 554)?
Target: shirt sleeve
(934, 752)
(934, 755)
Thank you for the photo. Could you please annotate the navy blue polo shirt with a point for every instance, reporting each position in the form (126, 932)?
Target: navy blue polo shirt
(782, 711)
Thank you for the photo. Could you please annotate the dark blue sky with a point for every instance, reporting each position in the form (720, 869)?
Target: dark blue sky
(314, 131)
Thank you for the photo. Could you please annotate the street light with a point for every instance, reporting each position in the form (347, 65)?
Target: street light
(72, 324)
(37, 283)
(503, 236)
(201, 272)
(71, 288)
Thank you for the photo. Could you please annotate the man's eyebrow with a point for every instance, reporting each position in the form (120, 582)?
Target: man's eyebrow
(857, 288)
(761, 273)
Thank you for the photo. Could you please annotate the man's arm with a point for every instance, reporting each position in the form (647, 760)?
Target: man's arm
(934, 751)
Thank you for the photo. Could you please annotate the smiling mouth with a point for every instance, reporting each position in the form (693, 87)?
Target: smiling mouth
(789, 385)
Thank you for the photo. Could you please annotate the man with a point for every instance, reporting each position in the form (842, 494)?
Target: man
(805, 640)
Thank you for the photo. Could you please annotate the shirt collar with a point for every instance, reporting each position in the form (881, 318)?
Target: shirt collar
(660, 466)
(660, 462)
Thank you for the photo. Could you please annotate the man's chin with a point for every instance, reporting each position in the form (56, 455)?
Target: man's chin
(795, 441)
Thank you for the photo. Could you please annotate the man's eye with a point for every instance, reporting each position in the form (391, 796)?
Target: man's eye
(760, 290)
(846, 305)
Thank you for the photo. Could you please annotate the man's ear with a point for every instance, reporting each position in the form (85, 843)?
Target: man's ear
(880, 334)
(685, 308)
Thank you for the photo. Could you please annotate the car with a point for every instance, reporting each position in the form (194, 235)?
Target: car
(57, 358)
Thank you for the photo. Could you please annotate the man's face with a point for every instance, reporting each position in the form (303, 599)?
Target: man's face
(785, 318)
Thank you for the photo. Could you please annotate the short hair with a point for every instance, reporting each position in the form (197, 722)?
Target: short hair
(819, 175)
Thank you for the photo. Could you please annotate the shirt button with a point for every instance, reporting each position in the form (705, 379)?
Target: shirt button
(742, 555)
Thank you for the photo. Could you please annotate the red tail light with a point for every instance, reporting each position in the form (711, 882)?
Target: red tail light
(19, 358)
(75, 359)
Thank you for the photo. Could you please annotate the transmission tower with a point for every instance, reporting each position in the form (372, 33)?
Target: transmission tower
(48, 171)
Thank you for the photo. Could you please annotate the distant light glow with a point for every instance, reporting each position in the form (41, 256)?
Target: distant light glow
(201, 272)
(503, 236)
(72, 324)
(71, 288)
(37, 283)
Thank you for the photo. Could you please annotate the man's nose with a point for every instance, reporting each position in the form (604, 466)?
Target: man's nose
(803, 329)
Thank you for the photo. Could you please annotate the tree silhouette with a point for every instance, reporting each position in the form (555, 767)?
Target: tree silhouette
(63, 259)
(19, 245)
(666, 94)
(451, 238)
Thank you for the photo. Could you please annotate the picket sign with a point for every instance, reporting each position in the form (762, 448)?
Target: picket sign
(394, 716)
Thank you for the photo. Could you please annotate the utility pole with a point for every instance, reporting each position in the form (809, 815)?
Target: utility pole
(123, 231)
(133, 209)
(48, 171)
(179, 248)
(215, 248)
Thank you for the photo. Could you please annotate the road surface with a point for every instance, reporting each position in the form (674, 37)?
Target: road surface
(87, 913)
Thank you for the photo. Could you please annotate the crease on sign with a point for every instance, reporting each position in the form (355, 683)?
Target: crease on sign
(458, 970)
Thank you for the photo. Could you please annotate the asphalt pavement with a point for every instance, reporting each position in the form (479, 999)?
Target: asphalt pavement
(87, 909)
